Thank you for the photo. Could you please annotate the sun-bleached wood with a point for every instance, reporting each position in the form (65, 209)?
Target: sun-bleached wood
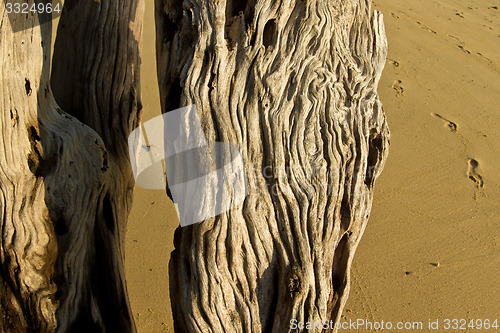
(65, 177)
(293, 83)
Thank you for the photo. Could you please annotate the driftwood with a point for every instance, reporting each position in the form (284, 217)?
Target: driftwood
(65, 178)
(293, 83)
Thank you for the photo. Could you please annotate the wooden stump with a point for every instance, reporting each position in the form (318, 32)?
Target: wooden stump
(65, 179)
(293, 83)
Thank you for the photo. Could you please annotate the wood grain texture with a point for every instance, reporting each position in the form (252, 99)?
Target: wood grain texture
(98, 43)
(65, 184)
(293, 83)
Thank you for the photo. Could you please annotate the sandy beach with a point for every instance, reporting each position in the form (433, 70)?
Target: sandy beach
(431, 250)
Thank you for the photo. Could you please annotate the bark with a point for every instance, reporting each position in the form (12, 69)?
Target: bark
(293, 83)
(65, 177)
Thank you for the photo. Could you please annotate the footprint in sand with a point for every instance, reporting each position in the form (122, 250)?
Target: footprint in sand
(451, 125)
(426, 28)
(473, 174)
(463, 49)
(398, 87)
(485, 58)
(394, 62)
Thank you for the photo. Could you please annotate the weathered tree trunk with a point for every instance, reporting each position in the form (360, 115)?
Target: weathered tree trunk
(66, 181)
(293, 83)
